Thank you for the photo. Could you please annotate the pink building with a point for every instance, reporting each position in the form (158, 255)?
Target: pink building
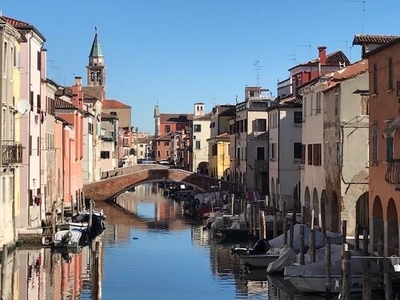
(71, 111)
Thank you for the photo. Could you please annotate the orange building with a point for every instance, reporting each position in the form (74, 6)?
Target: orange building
(384, 143)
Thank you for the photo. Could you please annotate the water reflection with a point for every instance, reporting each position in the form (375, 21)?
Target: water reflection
(148, 251)
(39, 274)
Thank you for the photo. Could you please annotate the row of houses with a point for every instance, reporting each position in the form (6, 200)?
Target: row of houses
(53, 138)
(325, 146)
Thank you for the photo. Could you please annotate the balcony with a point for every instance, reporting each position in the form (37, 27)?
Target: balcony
(12, 153)
(392, 175)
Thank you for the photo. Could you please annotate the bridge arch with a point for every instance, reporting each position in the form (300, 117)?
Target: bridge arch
(112, 187)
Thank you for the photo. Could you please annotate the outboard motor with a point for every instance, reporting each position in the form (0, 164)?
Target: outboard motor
(261, 247)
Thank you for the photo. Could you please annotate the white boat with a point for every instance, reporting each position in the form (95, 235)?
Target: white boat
(311, 278)
(73, 226)
(67, 239)
(260, 260)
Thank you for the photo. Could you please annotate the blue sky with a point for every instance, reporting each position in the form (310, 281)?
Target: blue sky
(179, 52)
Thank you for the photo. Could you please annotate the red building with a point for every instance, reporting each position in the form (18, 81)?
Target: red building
(325, 63)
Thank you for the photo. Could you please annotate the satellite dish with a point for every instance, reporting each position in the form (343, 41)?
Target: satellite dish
(23, 106)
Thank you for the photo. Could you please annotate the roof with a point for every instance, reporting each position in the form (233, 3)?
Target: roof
(165, 137)
(383, 47)
(223, 136)
(114, 104)
(22, 25)
(105, 116)
(146, 140)
(205, 117)
(175, 118)
(94, 91)
(62, 104)
(360, 39)
(332, 59)
(351, 71)
(288, 102)
(95, 51)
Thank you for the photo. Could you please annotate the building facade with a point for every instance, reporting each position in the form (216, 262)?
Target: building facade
(201, 132)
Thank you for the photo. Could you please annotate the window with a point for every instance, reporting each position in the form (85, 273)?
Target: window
(297, 148)
(337, 163)
(365, 105)
(305, 107)
(375, 79)
(167, 129)
(197, 145)
(273, 151)
(113, 113)
(5, 59)
(310, 154)
(260, 153)
(390, 74)
(158, 153)
(318, 104)
(374, 143)
(389, 147)
(197, 128)
(13, 57)
(166, 143)
(214, 150)
(260, 125)
(336, 104)
(303, 154)
(298, 117)
(238, 154)
(104, 154)
(317, 157)
(38, 146)
(39, 60)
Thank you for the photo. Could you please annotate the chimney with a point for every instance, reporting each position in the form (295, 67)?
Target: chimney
(322, 55)
(78, 81)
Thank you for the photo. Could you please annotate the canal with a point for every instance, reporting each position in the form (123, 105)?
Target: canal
(148, 251)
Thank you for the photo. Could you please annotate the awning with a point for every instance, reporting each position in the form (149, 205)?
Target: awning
(392, 127)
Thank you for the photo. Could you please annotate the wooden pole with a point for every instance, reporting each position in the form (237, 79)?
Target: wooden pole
(323, 220)
(90, 216)
(344, 230)
(313, 246)
(346, 273)
(262, 229)
(365, 242)
(284, 224)
(387, 279)
(357, 238)
(366, 279)
(53, 219)
(4, 272)
(302, 245)
(232, 204)
(328, 264)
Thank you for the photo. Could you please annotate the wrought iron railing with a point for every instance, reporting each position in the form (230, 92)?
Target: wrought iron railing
(11, 152)
(392, 175)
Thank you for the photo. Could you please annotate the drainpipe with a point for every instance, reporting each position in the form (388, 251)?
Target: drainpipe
(29, 122)
(279, 157)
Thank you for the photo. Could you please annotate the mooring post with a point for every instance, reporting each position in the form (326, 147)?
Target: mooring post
(366, 279)
(275, 225)
(328, 273)
(291, 237)
(303, 215)
(365, 242)
(357, 237)
(387, 279)
(262, 229)
(90, 215)
(302, 245)
(313, 246)
(3, 272)
(346, 274)
(284, 224)
(232, 204)
(53, 219)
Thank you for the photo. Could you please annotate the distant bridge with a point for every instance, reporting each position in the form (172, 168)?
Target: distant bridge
(120, 180)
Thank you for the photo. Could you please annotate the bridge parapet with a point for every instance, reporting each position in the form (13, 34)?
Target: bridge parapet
(112, 187)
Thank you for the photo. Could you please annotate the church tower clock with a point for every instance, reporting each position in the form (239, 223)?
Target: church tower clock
(96, 75)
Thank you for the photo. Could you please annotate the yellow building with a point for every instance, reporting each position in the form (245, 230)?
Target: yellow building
(218, 155)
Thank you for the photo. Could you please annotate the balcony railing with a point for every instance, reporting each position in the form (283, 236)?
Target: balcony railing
(392, 175)
(12, 153)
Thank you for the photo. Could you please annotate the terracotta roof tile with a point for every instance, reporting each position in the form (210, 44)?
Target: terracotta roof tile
(114, 104)
(15, 22)
(62, 104)
(360, 39)
(94, 91)
(354, 70)
(205, 117)
(175, 118)
(165, 137)
(332, 59)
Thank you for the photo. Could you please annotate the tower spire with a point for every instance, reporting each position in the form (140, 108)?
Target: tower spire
(96, 51)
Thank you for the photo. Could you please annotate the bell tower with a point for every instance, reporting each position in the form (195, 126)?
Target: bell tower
(96, 70)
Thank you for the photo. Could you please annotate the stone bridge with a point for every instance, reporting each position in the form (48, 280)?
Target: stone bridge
(120, 180)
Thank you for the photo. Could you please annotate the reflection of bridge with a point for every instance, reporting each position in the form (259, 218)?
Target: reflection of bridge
(119, 180)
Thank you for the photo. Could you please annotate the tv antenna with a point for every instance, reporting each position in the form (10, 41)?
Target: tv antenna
(308, 46)
(292, 57)
(348, 49)
(258, 68)
(363, 11)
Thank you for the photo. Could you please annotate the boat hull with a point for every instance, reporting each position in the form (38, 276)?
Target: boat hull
(259, 260)
(317, 284)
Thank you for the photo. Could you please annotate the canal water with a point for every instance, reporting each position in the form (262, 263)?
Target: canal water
(148, 251)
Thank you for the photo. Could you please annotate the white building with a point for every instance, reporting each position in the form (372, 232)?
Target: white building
(251, 117)
(285, 122)
(201, 132)
(88, 157)
(145, 149)
(108, 153)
